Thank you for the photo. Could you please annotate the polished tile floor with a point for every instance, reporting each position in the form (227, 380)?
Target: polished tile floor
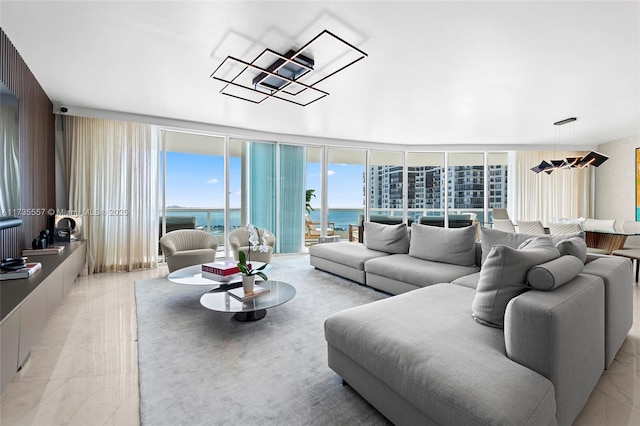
(83, 370)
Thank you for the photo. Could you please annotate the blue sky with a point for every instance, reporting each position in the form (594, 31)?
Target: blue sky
(198, 181)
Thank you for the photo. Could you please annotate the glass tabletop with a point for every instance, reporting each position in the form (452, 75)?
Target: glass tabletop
(279, 293)
(192, 275)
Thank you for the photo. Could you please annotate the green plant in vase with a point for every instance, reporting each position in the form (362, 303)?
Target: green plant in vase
(258, 243)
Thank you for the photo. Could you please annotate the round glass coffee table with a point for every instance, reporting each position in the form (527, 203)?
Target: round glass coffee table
(252, 309)
(192, 275)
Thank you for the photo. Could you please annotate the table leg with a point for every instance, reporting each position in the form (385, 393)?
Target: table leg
(250, 316)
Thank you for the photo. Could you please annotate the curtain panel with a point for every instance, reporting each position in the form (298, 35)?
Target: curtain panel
(541, 196)
(113, 184)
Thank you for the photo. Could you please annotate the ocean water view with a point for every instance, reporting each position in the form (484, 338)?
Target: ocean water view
(340, 217)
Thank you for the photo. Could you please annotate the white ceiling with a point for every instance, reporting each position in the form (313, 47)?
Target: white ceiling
(438, 73)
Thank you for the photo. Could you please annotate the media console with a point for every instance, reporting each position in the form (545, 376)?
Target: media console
(27, 304)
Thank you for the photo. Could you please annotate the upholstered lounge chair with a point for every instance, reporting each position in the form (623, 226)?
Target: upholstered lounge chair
(239, 240)
(186, 247)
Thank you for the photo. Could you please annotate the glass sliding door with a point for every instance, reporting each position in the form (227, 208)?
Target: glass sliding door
(252, 184)
(194, 183)
(466, 184)
(345, 191)
(386, 183)
(426, 180)
(498, 163)
(313, 195)
(292, 200)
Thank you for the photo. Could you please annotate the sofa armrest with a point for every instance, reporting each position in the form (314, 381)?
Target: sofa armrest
(560, 335)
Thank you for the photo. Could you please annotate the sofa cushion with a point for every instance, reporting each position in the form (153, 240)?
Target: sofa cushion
(470, 281)
(556, 272)
(503, 276)
(574, 246)
(447, 245)
(386, 238)
(350, 254)
(414, 271)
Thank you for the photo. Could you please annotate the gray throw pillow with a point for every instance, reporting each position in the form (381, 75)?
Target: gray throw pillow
(386, 238)
(574, 246)
(550, 275)
(448, 245)
(492, 237)
(503, 277)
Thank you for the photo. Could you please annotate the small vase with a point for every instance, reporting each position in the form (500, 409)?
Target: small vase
(247, 283)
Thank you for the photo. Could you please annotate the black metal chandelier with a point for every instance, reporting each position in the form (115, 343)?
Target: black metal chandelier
(593, 158)
(291, 76)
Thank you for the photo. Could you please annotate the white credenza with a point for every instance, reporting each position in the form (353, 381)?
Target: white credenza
(26, 305)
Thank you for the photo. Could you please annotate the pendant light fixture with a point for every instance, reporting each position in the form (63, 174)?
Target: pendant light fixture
(593, 158)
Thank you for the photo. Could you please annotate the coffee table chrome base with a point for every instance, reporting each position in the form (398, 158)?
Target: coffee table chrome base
(250, 316)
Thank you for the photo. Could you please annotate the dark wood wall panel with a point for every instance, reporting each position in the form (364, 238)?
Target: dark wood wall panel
(37, 148)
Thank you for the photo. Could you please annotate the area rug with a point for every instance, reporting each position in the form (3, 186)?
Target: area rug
(200, 367)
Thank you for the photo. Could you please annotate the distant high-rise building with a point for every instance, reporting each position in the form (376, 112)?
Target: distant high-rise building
(426, 190)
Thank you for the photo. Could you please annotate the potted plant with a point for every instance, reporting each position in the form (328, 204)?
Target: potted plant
(258, 243)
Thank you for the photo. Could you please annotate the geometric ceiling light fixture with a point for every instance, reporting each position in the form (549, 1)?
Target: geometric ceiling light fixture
(291, 76)
(593, 158)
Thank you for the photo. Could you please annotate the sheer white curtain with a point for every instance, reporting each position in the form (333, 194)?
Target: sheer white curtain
(9, 159)
(539, 196)
(113, 182)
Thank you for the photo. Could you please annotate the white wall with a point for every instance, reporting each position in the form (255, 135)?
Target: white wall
(615, 196)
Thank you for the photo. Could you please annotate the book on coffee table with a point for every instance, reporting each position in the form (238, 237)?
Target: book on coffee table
(223, 271)
(239, 293)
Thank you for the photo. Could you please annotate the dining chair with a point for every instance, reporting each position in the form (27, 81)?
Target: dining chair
(533, 227)
(607, 225)
(631, 247)
(556, 228)
(504, 225)
(500, 214)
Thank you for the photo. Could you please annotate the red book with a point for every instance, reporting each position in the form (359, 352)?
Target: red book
(224, 268)
(219, 271)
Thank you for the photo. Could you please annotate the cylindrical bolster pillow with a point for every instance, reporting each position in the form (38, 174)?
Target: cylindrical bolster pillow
(554, 273)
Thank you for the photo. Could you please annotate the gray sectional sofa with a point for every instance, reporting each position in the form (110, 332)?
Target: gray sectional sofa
(514, 330)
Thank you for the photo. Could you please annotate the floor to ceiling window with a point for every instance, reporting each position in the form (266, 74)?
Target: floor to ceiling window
(425, 196)
(194, 183)
(345, 189)
(466, 183)
(217, 184)
(498, 164)
(386, 183)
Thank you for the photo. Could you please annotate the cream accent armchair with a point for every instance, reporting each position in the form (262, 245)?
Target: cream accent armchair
(187, 247)
(239, 240)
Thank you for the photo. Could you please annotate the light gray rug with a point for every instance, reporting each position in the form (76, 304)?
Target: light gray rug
(200, 367)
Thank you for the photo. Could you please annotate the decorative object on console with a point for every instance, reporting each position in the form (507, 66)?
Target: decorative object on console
(290, 77)
(68, 228)
(48, 250)
(593, 158)
(25, 272)
(13, 263)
